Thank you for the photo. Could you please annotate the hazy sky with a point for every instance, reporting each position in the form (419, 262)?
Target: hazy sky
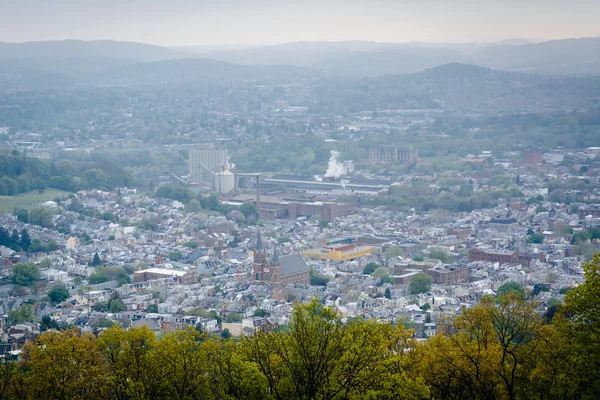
(201, 22)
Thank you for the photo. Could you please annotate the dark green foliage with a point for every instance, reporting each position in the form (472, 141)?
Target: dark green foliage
(58, 294)
(48, 323)
(25, 274)
(152, 308)
(510, 287)
(175, 192)
(370, 268)
(318, 280)
(96, 260)
(22, 214)
(116, 305)
(249, 210)
(420, 283)
(25, 240)
(225, 334)
(259, 312)
(41, 216)
(23, 314)
(536, 238)
(439, 253)
(18, 241)
(97, 278)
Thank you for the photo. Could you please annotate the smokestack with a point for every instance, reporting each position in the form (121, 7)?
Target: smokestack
(258, 193)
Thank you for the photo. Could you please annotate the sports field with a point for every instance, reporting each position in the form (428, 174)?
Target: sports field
(29, 199)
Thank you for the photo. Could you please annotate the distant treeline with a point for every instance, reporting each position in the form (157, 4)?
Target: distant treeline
(502, 348)
(71, 172)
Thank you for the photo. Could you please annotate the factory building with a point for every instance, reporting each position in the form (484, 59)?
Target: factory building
(224, 182)
(272, 207)
(390, 154)
(339, 253)
(327, 187)
(205, 163)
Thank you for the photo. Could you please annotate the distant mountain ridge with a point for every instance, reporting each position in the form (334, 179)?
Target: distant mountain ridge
(346, 58)
(63, 49)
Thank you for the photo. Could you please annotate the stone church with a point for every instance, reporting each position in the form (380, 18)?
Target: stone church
(277, 270)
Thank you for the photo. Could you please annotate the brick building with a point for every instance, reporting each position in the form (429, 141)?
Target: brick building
(494, 255)
(279, 270)
(532, 157)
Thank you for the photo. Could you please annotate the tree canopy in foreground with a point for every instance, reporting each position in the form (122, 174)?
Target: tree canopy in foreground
(502, 348)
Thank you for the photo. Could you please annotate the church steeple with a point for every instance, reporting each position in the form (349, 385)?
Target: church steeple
(275, 259)
(259, 245)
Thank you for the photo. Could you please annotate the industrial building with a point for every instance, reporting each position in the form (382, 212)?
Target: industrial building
(534, 157)
(162, 273)
(204, 165)
(272, 207)
(339, 253)
(326, 186)
(391, 154)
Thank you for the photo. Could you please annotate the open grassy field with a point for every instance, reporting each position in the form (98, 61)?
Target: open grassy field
(29, 199)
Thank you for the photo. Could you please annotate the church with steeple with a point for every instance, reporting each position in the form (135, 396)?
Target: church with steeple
(270, 268)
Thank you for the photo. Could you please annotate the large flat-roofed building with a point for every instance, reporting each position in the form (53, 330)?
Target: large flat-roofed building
(327, 186)
(151, 274)
(391, 154)
(275, 207)
(503, 224)
(204, 163)
(339, 253)
(494, 255)
(533, 157)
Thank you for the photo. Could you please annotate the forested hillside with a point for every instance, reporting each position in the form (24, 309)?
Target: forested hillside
(502, 348)
(20, 174)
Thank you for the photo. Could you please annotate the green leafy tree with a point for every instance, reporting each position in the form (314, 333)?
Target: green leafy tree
(439, 253)
(233, 317)
(249, 210)
(370, 268)
(510, 287)
(393, 251)
(96, 260)
(97, 278)
(536, 238)
(420, 283)
(23, 314)
(48, 323)
(58, 294)
(52, 246)
(388, 293)
(321, 358)
(225, 334)
(175, 255)
(25, 241)
(259, 312)
(116, 306)
(152, 308)
(25, 274)
(194, 206)
(41, 216)
(22, 214)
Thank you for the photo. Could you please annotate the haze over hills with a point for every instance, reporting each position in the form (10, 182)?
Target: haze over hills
(359, 58)
(69, 49)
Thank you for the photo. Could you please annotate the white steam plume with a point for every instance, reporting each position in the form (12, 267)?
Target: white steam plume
(335, 169)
